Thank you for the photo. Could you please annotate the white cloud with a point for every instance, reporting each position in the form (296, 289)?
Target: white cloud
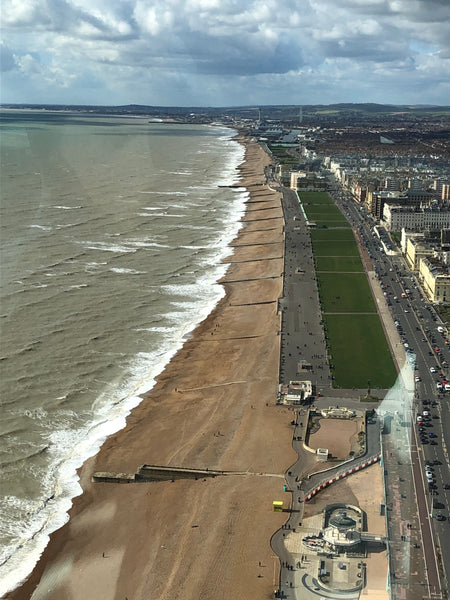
(29, 65)
(224, 51)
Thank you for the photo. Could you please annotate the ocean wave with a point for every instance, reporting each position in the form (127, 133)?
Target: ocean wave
(41, 227)
(67, 207)
(164, 193)
(36, 413)
(38, 286)
(198, 227)
(165, 330)
(94, 266)
(18, 458)
(29, 348)
(168, 215)
(127, 271)
(59, 226)
(145, 244)
(189, 290)
(108, 247)
(61, 274)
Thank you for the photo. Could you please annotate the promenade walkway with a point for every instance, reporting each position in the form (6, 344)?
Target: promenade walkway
(302, 323)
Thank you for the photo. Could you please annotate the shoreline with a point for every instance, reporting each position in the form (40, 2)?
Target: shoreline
(213, 406)
(49, 513)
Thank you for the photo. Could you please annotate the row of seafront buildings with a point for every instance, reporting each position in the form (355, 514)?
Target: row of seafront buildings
(407, 195)
(428, 255)
(402, 201)
(416, 207)
(410, 197)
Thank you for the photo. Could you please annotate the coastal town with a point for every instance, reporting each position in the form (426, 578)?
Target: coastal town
(397, 203)
(303, 427)
(225, 300)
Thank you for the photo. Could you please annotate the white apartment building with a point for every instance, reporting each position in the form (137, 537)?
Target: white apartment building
(397, 217)
(435, 279)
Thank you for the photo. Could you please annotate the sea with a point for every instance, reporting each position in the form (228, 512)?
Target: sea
(113, 235)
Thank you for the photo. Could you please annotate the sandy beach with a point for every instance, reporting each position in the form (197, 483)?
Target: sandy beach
(212, 407)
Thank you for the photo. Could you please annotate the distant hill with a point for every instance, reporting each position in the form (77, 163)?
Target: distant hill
(289, 112)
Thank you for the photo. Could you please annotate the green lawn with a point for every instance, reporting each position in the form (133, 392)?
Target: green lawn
(328, 216)
(335, 248)
(323, 210)
(359, 352)
(315, 198)
(337, 235)
(345, 292)
(331, 222)
(339, 263)
(357, 344)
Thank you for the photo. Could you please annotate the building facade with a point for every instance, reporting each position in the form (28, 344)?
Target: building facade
(435, 279)
(397, 217)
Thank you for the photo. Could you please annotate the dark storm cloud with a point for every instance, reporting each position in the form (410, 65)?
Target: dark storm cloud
(7, 62)
(59, 17)
(241, 56)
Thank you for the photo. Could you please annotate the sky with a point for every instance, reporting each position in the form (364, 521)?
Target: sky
(225, 52)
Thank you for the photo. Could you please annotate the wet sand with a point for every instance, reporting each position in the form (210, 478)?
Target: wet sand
(212, 407)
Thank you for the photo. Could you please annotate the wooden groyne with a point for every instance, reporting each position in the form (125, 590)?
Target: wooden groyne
(157, 473)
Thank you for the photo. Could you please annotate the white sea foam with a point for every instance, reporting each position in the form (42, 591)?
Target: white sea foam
(36, 413)
(167, 215)
(165, 330)
(126, 271)
(67, 207)
(107, 247)
(165, 193)
(192, 247)
(145, 244)
(197, 227)
(41, 227)
(57, 274)
(94, 265)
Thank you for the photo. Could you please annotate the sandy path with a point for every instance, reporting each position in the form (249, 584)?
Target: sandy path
(214, 406)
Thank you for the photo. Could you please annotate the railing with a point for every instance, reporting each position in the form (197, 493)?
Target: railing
(341, 474)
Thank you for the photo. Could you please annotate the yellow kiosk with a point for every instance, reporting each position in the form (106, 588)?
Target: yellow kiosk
(277, 506)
